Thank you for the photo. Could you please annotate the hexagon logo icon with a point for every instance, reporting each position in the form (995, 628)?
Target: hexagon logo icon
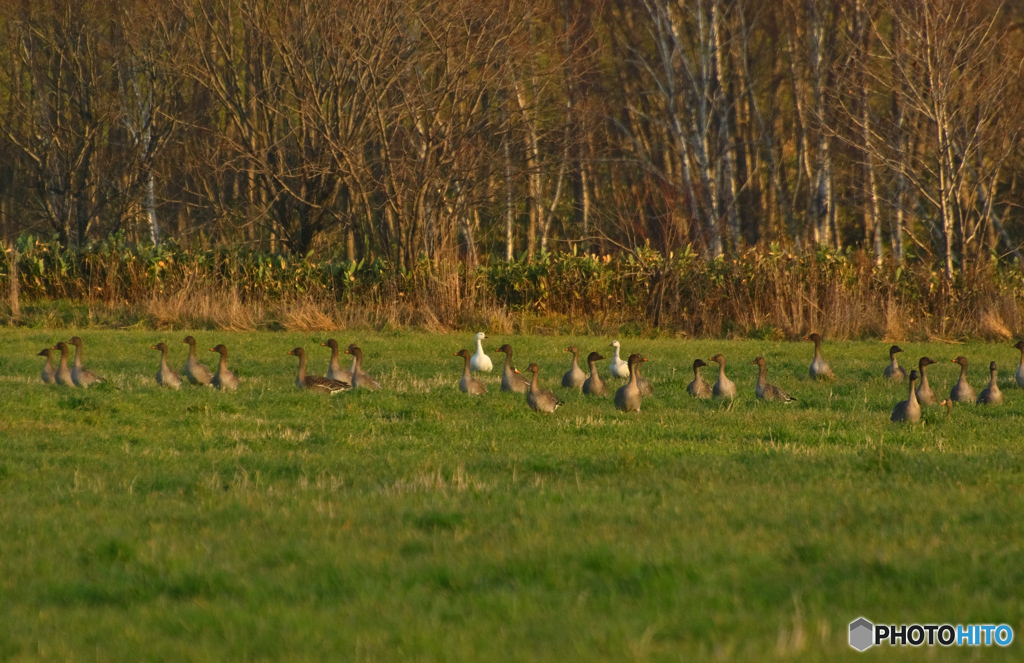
(862, 634)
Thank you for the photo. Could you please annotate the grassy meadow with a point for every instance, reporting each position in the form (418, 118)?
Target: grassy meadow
(418, 524)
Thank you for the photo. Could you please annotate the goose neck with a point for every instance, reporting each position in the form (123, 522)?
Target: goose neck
(302, 367)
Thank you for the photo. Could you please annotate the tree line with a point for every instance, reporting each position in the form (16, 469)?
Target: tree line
(486, 130)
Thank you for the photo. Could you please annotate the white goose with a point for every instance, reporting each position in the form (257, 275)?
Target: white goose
(480, 361)
(618, 368)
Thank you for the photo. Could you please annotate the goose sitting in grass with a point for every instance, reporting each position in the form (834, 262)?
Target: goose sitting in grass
(910, 409)
(511, 379)
(224, 379)
(334, 369)
(165, 377)
(538, 398)
(894, 371)
(962, 391)
(617, 367)
(723, 387)
(820, 370)
(49, 373)
(698, 388)
(991, 395)
(480, 362)
(628, 397)
(593, 385)
(467, 383)
(195, 371)
(360, 378)
(315, 382)
(82, 376)
(63, 374)
(925, 395)
(765, 391)
(574, 377)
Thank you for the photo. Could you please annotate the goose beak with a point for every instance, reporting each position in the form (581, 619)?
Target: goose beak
(153, 346)
(323, 344)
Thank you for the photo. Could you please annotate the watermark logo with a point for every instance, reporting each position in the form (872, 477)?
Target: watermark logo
(864, 635)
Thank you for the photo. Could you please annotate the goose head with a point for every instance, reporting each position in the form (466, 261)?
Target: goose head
(506, 348)
(162, 347)
(962, 360)
(354, 350)
(615, 344)
(698, 363)
(893, 350)
(533, 368)
(297, 352)
(480, 336)
(718, 359)
(45, 352)
(189, 340)
(593, 356)
(464, 353)
(759, 361)
(221, 350)
(925, 361)
(330, 343)
(76, 341)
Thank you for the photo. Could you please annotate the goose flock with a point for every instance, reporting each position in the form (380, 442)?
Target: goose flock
(628, 397)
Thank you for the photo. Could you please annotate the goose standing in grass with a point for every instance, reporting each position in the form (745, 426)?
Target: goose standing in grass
(617, 367)
(511, 379)
(1020, 367)
(698, 388)
(962, 391)
(574, 377)
(165, 377)
(910, 409)
(467, 383)
(538, 398)
(925, 395)
(894, 371)
(628, 397)
(334, 369)
(723, 387)
(49, 374)
(82, 376)
(991, 395)
(593, 385)
(765, 391)
(315, 382)
(820, 370)
(224, 379)
(481, 363)
(195, 371)
(63, 375)
(360, 378)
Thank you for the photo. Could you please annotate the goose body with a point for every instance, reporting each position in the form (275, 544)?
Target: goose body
(723, 387)
(315, 382)
(574, 377)
(511, 379)
(360, 378)
(538, 398)
(593, 385)
(910, 409)
(894, 371)
(618, 368)
(991, 395)
(962, 391)
(628, 397)
(165, 377)
(334, 369)
(698, 388)
(766, 391)
(49, 373)
(82, 376)
(195, 371)
(63, 374)
(224, 379)
(480, 362)
(820, 370)
(925, 395)
(469, 384)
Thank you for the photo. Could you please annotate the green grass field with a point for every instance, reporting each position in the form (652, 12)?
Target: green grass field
(418, 524)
